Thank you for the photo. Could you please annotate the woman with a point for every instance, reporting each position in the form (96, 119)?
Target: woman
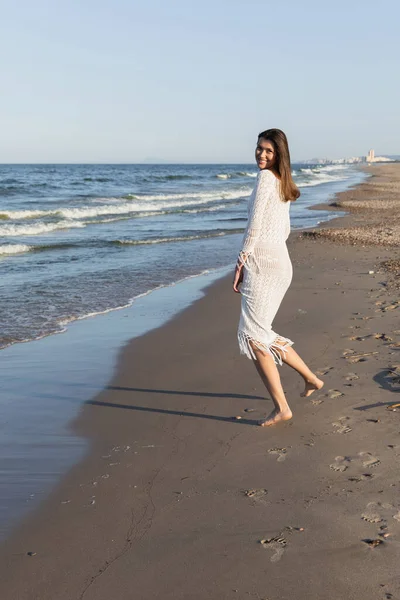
(264, 271)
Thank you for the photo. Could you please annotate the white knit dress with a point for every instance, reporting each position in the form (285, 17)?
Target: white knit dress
(267, 268)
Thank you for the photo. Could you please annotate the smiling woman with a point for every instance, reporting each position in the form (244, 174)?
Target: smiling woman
(264, 270)
(265, 154)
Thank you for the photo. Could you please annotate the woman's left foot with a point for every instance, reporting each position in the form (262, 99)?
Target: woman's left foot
(312, 386)
(276, 416)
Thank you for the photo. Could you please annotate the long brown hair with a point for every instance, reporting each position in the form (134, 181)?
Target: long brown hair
(289, 190)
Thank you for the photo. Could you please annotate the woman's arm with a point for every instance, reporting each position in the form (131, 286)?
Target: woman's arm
(237, 278)
(264, 187)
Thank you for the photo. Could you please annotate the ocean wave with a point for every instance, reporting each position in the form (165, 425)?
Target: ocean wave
(232, 219)
(37, 228)
(10, 249)
(309, 170)
(323, 169)
(319, 180)
(235, 174)
(26, 214)
(153, 203)
(100, 179)
(182, 238)
(169, 177)
(200, 196)
(344, 167)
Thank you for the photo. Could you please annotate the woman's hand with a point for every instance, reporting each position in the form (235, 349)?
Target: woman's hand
(238, 278)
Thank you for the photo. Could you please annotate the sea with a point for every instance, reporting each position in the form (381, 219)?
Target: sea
(80, 240)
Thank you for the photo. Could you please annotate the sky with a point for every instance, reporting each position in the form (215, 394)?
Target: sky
(124, 81)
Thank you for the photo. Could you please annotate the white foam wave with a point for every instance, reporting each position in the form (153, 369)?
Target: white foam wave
(37, 228)
(319, 180)
(183, 238)
(236, 174)
(323, 169)
(9, 249)
(149, 204)
(201, 210)
(23, 214)
(199, 196)
(335, 168)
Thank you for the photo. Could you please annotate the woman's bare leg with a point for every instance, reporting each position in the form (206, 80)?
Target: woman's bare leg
(269, 374)
(312, 382)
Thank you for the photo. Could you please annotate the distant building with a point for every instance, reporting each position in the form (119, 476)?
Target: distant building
(371, 156)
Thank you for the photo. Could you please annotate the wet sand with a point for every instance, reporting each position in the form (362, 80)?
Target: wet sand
(184, 496)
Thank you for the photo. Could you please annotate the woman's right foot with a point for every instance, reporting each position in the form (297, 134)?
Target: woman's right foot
(276, 416)
(311, 386)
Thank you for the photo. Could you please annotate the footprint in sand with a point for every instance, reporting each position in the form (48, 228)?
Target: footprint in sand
(324, 370)
(277, 545)
(380, 512)
(316, 401)
(354, 357)
(368, 460)
(334, 394)
(351, 377)
(341, 426)
(341, 463)
(280, 452)
(371, 514)
(257, 495)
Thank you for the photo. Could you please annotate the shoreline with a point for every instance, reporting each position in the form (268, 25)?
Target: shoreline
(61, 372)
(63, 326)
(167, 421)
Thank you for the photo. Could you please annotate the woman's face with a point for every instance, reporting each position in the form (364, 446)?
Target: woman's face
(265, 154)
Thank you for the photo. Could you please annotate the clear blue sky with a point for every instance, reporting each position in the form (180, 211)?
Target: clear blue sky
(175, 80)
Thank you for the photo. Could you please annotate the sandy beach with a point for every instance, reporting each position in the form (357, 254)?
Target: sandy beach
(183, 496)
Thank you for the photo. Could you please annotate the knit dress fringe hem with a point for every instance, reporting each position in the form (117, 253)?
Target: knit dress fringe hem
(246, 341)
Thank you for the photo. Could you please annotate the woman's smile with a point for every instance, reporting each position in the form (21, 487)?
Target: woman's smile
(265, 154)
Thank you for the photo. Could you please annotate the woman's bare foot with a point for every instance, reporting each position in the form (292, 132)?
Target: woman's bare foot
(276, 416)
(311, 386)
